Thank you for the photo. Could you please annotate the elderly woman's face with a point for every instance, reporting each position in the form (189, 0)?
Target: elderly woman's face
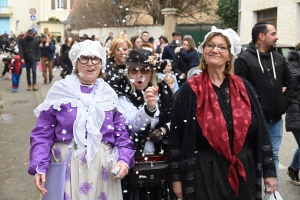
(140, 76)
(216, 52)
(121, 52)
(88, 68)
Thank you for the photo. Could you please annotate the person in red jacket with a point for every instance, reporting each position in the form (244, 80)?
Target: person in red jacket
(15, 67)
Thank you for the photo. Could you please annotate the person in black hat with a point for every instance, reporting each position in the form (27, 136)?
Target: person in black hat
(148, 119)
(84, 37)
(170, 48)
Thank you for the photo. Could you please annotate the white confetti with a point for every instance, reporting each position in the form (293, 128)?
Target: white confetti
(185, 120)
(64, 131)
(130, 127)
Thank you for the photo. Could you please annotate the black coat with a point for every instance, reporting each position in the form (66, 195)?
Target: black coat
(30, 49)
(274, 103)
(179, 66)
(292, 118)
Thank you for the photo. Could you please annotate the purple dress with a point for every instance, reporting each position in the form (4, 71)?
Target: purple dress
(54, 132)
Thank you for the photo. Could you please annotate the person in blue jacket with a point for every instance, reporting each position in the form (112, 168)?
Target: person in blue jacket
(47, 49)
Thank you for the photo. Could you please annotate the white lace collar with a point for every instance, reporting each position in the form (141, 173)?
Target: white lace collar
(90, 110)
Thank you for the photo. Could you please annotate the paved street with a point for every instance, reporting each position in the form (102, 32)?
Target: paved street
(17, 120)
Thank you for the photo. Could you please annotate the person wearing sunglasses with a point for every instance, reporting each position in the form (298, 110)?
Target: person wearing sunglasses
(146, 105)
(81, 114)
(219, 146)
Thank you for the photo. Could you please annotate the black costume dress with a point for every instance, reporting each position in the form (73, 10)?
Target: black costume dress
(212, 168)
(204, 173)
(115, 76)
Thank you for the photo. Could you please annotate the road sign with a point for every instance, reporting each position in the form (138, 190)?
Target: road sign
(32, 11)
(33, 25)
(32, 17)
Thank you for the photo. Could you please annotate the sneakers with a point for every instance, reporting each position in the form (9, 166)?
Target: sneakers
(294, 175)
(29, 88)
(14, 90)
(35, 87)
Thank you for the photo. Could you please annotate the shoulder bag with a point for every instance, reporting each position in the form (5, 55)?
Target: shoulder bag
(55, 179)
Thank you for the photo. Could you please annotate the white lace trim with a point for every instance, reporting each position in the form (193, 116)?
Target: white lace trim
(90, 111)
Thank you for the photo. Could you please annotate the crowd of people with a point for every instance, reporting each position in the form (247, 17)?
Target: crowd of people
(215, 119)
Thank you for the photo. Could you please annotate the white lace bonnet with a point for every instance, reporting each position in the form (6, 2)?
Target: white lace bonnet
(233, 37)
(87, 48)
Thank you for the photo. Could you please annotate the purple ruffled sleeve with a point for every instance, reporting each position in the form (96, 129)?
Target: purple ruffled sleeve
(41, 141)
(122, 140)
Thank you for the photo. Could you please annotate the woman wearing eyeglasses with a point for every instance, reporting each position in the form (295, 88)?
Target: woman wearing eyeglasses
(81, 119)
(219, 147)
(147, 109)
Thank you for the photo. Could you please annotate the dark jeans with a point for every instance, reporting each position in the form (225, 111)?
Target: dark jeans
(31, 66)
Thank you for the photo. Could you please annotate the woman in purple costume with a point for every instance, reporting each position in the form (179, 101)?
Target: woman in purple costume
(82, 112)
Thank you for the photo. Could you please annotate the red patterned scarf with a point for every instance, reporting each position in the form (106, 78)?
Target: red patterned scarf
(213, 124)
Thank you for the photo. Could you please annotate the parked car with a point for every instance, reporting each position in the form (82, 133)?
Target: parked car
(283, 49)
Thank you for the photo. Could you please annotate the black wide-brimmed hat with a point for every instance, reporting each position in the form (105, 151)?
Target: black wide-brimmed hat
(141, 57)
(85, 37)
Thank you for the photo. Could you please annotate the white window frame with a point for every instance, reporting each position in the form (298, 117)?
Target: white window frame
(60, 4)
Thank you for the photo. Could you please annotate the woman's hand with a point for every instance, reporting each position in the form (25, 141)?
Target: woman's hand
(177, 188)
(271, 183)
(39, 181)
(150, 97)
(123, 170)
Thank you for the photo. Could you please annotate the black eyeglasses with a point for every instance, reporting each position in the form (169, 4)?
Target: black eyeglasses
(134, 70)
(85, 59)
(220, 48)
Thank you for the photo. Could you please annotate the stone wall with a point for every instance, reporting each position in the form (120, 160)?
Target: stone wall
(154, 31)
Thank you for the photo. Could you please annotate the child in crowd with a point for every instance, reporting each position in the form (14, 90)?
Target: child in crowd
(15, 67)
(6, 62)
(168, 69)
(169, 78)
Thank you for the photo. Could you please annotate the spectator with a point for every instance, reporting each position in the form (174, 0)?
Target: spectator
(136, 42)
(84, 37)
(169, 51)
(116, 60)
(110, 37)
(146, 44)
(185, 59)
(163, 41)
(268, 72)
(16, 70)
(30, 53)
(6, 63)
(292, 117)
(47, 49)
(66, 45)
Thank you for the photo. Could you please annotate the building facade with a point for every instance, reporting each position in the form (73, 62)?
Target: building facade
(284, 14)
(18, 16)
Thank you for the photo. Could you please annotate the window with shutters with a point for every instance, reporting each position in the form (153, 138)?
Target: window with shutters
(269, 15)
(60, 4)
